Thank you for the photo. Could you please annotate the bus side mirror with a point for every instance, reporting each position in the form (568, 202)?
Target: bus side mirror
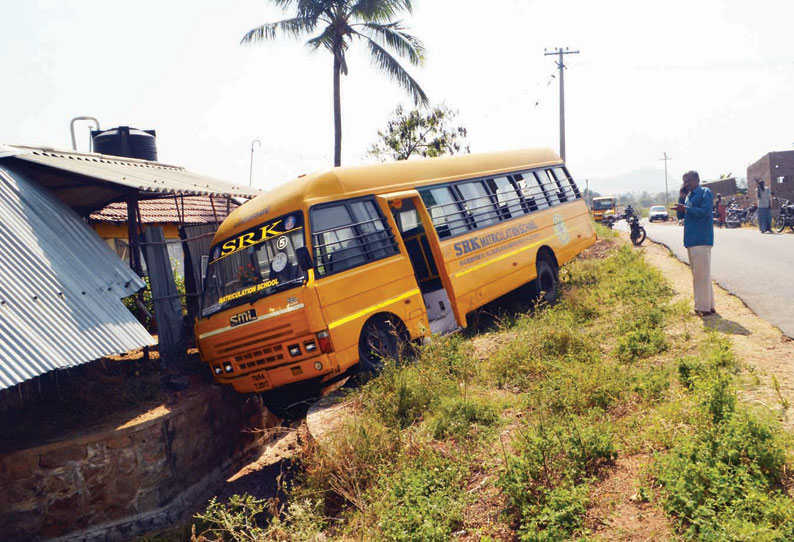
(304, 258)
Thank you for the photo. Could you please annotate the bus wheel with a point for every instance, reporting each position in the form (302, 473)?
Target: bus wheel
(380, 339)
(546, 287)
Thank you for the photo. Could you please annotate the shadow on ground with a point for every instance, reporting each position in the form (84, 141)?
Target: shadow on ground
(723, 325)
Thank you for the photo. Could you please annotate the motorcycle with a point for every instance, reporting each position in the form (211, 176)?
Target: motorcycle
(785, 216)
(609, 220)
(636, 230)
(736, 216)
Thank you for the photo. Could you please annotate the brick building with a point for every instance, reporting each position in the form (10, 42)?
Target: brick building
(776, 169)
(726, 187)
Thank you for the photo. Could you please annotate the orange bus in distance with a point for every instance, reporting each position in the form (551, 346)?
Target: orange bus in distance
(334, 268)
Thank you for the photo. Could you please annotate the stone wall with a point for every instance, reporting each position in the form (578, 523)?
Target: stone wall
(115, 484)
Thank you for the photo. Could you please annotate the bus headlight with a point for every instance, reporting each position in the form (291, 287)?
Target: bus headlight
(227, 366)
(294, 350)
(217, 369)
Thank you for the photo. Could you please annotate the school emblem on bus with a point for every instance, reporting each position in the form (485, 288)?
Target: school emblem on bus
(560, 229)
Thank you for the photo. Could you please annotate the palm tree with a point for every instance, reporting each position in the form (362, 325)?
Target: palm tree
(339, 22)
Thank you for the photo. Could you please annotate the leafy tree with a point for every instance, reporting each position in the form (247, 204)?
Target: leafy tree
(420, 133)
(338, 23)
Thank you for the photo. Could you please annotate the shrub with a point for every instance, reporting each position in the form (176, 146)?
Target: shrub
(547, 480)
(642, 333)
(129, 302)
(349, 464)
(400, 396)
(724, 479)
(553, 337)
(423, 501)
(238, 520)
(242, 520)
(688, 369)
(652, 384)
(456, 417)
(555, 514)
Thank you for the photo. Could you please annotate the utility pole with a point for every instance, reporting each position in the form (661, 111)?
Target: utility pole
(561, 65)
(251, 166)
(587, 198)
(666, 158)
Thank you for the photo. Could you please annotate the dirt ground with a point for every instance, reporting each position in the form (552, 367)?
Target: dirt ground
(617, 513)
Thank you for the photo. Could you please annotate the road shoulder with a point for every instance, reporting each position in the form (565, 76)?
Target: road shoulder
(767, 354)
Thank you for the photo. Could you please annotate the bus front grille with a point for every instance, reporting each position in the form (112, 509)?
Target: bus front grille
(260, 338)
(260, 357)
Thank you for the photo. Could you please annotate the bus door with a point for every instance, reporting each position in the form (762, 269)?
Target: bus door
(412, 223)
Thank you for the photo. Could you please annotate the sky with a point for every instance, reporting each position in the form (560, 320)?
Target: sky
(709, 82)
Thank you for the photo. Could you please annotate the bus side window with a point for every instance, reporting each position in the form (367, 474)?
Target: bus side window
(564, 178)
(445, 211)
(336, 246)
(549, 186)
(562, 193)
(478, 203)
(534, 198)
(376, 237)
(507, 197)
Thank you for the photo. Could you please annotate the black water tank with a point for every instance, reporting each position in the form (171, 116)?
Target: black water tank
(126, 141)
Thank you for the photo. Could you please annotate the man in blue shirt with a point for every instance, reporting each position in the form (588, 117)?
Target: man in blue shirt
(697, 211)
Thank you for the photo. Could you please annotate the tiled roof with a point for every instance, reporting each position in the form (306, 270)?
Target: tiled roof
(187, 210)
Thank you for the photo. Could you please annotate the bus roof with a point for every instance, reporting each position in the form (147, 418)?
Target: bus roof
(336, 183)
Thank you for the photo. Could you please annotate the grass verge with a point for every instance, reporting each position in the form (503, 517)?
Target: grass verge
(534, 413)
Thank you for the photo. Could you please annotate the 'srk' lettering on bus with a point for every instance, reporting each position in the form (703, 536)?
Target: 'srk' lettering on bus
(476, 243)
(251, 238)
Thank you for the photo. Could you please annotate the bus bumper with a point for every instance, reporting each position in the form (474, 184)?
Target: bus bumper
(267, 378)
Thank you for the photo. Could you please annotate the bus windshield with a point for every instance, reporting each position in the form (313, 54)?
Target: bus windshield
(603, 204)
(254, 264)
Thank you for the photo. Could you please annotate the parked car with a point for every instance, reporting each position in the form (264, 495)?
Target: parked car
(658, 212)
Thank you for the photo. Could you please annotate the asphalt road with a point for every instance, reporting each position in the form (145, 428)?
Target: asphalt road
(756, 267)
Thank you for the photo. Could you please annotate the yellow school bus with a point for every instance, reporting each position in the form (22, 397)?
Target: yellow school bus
(604, 205)
(334, 268)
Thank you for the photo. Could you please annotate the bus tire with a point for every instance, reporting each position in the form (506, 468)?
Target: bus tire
(381, 338)
(546, 284)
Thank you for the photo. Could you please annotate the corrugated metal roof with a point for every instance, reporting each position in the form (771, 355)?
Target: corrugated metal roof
(87, 182)
(186, 210)
(142, 175)
(60, 287)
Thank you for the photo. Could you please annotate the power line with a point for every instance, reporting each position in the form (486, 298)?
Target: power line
(561, 66)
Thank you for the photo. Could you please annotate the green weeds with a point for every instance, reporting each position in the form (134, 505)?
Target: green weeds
(458, 418)
(564, 392)
(724, 480)
(422, 502)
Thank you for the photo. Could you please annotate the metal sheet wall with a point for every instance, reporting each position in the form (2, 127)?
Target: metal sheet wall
(60, 287)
